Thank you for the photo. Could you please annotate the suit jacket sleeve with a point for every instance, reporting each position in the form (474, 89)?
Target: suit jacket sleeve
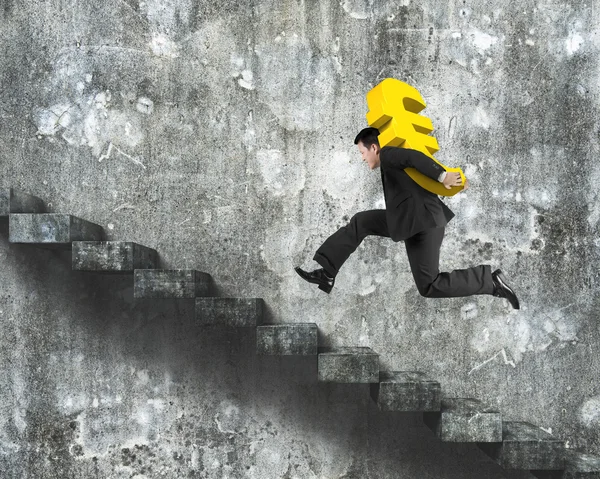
(400, 158)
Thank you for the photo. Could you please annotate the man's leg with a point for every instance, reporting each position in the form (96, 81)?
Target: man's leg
(423, 251)
(340, 245)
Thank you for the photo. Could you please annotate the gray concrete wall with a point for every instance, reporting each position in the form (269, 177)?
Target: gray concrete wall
(221, 134)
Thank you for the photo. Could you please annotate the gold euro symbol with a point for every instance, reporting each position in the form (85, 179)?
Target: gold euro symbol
(394, 108)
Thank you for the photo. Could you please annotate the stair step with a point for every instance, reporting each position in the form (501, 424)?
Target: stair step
(406, 391)
(112, 256)
(233, 312)
(577, 466)
(580, 466)
(465, 420)
(13, 200)
(526, 446)
(287, 339)
(51, 229)
(348, 364)
(170, 283)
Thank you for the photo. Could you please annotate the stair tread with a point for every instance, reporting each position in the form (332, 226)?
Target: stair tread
(406, 391)
(346, 351)
(348, 364)
(521, 431)
(466, 406)
(112, 256)
(581, 462)
(405, 377)
(51, 229)
(170, 283)
(465, 420)
(287, 339)
(229, 312)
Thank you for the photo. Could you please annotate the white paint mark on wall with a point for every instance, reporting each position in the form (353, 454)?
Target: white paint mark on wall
(229, 419)
(143, 105)
(48, 119)
(246, 80)
(481, 118)
(339, 173)
(573, 43)
(481, 40)
(157, 403)
(355, 8)
(143, 377)
(162, 46)
(594, 216)
(281, 176)
(499, 353)
(589, 414)
(367, 287)
(109, 150)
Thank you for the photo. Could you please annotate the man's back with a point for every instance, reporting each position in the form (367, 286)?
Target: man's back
(410, 208)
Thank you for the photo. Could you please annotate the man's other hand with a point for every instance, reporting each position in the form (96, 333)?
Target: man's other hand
(452, 179)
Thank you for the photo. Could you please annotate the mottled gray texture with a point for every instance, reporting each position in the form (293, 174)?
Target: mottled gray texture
(465, 420)
(582, 466)
(578, 466)
(230, 312)
(13, 200)
(406, 391)
(220, 134)
(112, 256)
(287, 339)
(348, 364)
(170, 283)
(52, 229)
(525, 446)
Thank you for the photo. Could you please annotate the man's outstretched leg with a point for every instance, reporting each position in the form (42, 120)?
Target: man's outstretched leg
(423, 251)
(340, 245)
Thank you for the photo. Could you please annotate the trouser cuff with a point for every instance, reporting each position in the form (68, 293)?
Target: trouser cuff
(325, 263)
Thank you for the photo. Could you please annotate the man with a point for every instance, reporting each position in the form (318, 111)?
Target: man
(414, 215)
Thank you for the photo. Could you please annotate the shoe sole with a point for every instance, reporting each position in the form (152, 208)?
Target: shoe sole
(327, 289)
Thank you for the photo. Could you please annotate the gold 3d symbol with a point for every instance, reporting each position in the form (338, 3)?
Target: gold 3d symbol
(394, 108)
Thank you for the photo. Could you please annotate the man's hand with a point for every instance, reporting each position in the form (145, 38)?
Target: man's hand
(453, 179)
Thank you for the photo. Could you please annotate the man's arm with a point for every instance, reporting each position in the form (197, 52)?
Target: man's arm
(400, 158)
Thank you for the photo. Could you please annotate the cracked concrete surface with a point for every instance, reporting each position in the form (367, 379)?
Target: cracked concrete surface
(221, 135)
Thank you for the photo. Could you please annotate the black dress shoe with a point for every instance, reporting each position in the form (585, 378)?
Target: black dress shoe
(318, 276)
(502, 290)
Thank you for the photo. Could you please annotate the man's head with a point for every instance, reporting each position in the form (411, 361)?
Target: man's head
(368, 145)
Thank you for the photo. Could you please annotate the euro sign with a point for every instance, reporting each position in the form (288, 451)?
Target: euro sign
(394, 108)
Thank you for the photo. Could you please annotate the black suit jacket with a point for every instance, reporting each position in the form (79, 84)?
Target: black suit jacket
(410, 208)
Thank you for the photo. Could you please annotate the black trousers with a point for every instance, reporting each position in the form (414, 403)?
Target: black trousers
(423, 250)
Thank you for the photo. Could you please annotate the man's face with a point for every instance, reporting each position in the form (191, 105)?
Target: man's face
(370, 155)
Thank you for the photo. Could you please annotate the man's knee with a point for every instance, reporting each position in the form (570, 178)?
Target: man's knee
(424, 289)
(355, 218)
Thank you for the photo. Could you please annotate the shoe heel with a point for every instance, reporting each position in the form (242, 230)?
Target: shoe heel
(327, 289)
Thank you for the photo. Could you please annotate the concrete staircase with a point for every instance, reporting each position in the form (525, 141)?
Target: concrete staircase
(513, 445)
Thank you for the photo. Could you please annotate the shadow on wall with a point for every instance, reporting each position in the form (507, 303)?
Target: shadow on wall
(108, 376)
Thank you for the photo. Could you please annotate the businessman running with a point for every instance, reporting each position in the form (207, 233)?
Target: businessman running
(414, 215)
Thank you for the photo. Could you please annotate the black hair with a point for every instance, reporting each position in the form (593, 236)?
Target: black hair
(368, 137)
